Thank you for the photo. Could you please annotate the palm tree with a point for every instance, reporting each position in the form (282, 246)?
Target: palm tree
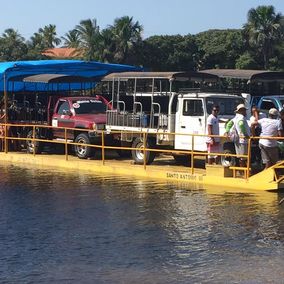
(13, 36)
(36, 41)
(13, 46)
(71, 39)
(126, 34)
(89, 35)
(264, 30)
(49, 36)
(106, 46)
(35, 47)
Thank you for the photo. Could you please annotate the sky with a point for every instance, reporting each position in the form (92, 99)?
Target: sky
(158, 17)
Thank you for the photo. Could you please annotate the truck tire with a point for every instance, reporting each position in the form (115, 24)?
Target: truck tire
(138, 154)
(81, 151)
(33, 146)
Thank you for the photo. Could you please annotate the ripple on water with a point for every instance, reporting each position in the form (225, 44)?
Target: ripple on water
(73, 227)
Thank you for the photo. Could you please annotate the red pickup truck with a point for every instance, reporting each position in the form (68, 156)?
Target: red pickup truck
(86, 114)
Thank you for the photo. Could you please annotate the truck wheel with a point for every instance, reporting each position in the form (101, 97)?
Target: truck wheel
(33, 146)
(184, 160)
(138, 154)
(83, 152)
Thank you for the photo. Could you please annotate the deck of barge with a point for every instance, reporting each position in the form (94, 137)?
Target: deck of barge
(164, 168)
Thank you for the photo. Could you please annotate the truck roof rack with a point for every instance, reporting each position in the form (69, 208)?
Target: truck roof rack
(172, 76)
(253, 75)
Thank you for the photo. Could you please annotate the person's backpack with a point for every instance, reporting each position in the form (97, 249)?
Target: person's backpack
(233, 133)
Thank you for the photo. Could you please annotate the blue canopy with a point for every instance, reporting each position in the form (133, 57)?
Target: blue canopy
(12, 74)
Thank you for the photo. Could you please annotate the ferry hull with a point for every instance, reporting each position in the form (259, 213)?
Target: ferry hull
(200, 178)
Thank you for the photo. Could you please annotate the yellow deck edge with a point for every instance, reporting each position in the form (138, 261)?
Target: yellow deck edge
(262, 181)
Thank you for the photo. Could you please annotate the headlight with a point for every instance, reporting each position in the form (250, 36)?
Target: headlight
(98, 126)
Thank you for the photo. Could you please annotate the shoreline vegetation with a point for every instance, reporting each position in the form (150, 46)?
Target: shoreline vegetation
(257, 45)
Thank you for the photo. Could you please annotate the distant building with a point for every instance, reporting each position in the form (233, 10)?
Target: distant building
(62, 53)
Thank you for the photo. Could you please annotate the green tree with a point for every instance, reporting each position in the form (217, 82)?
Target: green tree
(107, 46)
(126, 35)
(49, 36)
(246, 61)
(35, 47)
(167, 53)
(219, 48)
(12, 46)
(264, 31)
(71, 39)
(89, 35)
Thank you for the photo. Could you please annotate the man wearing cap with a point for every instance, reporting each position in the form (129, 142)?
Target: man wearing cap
(270, 127)
(213, 143)
(239, 122)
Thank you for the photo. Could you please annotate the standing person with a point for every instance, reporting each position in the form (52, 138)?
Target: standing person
(255, 131)
(282, 117)
(213, 143)
(255, 116)
(242, 130)
(281, 142)
(270, 127)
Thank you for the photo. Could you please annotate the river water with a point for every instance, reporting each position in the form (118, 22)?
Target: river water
(58, 227)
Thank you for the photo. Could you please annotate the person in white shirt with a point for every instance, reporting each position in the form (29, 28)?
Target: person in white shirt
(213, 143)
(270, 127)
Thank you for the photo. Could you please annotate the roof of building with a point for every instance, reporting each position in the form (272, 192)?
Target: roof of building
(62, 52)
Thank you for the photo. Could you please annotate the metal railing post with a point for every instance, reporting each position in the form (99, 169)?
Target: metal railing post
(248, 158)
(65, 144)
(103, 147)
(33, 140)
(144, 151)
(5, 139)
(192, 155)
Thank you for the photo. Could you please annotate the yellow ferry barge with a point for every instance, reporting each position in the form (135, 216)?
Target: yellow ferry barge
(160, 123)
(107, 161)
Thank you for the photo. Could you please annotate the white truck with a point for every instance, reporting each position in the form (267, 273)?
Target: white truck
(160, 105)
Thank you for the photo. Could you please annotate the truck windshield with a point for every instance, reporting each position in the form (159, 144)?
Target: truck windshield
(89, 106)
(227, 105)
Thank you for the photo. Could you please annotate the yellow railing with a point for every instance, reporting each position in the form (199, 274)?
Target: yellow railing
(102, 133)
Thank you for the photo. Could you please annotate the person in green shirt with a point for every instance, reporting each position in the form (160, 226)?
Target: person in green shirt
(240, 132)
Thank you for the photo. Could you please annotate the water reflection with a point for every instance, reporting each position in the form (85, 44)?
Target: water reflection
(81, 228)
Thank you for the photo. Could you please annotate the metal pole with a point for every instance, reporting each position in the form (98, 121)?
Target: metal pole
(66, 146)
(103, 147)
(6, 113)
(192, 156)
(144, 151)
(248, 158)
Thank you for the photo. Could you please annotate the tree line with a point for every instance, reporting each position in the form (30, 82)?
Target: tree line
(257, 45)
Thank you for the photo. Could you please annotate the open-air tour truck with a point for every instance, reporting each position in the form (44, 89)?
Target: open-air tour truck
(162, 105)
(266, 88)
(41, 99)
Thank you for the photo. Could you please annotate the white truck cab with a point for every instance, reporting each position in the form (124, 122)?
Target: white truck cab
(192, 113)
